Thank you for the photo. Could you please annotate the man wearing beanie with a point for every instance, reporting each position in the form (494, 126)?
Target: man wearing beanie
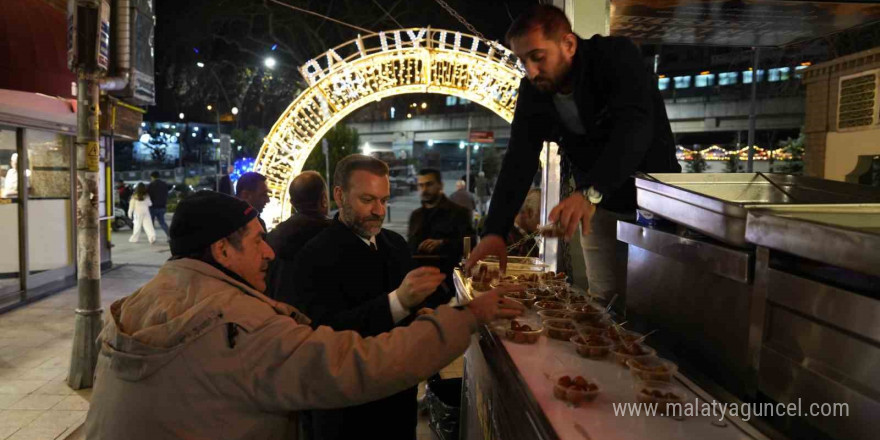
(200, 352)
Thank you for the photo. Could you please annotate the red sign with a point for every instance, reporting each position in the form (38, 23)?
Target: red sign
(481, 137)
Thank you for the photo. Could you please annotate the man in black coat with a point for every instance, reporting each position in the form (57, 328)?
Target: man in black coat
(436, 231)
(357, 276)
(596, 98)
(308, 197)
(158, 191)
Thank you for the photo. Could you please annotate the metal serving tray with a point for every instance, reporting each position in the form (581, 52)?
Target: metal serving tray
(717, 204)
(846, 236)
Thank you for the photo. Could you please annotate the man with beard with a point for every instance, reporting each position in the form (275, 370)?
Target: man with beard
(437, 230)
(596, 99)
(357, 276)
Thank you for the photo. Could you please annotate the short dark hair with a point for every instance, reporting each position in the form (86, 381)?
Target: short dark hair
(355, 162)
(306, 191)
(432, 172)
(550, 19)
(249, 182)
(154, 174)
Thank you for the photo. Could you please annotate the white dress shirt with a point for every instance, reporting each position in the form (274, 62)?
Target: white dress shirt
(398, 312)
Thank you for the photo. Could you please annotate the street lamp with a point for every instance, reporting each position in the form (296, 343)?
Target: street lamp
(200, 64)
(234, 110)
(210, 107)
(181, 116)
(269, 62)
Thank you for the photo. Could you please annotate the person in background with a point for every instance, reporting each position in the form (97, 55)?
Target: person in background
(355, 275)
(252, 188)
(463, 197)
(10, 182)
(225, 186)
(199, 352)
(139, 211)
(308, 199)
(158, 191)
(483, 190)
(598, 101)
(123, 193)
(437, 229)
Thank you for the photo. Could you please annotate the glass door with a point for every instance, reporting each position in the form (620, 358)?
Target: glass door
(10, 263)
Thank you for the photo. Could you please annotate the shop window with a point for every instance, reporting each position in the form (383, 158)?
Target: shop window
(49, 164)
(49, 225)
(727, 78)
(705, 80)
(778, 74)
(9, 262)
(682, 82)
(663, 83)
(747, 76)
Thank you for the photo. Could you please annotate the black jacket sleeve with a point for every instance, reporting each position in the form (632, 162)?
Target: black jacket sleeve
(527, 133)
(626, 87)
(320, 296)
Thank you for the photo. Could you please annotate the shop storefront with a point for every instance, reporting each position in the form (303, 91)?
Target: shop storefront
(37, 205)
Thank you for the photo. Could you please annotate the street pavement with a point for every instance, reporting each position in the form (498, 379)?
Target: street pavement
(36, 340)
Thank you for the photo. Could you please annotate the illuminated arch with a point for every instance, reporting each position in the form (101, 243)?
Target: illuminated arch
(375, 66)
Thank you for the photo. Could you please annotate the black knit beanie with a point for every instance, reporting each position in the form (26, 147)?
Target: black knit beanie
(205, 217)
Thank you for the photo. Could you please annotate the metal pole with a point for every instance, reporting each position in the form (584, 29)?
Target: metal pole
(467, 167)
(325, 148)
(753, 106)
(219, 161)
(84, 354)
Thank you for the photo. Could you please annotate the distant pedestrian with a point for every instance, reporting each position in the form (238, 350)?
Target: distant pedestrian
(158, 190)
(463, 197)
(139, 209)
(226, 182)
(484, 191)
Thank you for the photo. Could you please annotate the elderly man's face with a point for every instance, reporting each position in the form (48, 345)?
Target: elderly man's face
(250, 259)
(362, 207)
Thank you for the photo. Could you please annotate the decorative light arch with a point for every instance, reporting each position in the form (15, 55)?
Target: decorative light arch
(371, 67)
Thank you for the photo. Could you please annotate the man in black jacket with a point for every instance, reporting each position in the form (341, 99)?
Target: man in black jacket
(357, 276)
(158, 191)
(596, 99)
(436, 231)
(308, 198)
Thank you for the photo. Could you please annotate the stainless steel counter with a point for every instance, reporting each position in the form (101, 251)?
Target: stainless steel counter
(779, 299)
(817, 279)
(717, 204)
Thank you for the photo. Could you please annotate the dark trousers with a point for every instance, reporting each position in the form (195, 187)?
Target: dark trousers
(159, 214)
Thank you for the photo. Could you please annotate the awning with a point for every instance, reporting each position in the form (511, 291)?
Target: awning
(36, 110)
(33, 48)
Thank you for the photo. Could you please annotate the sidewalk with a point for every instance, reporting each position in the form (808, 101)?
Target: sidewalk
(35, 346)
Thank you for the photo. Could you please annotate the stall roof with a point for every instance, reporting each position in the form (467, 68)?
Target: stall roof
(37, 110)
(765, 23)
